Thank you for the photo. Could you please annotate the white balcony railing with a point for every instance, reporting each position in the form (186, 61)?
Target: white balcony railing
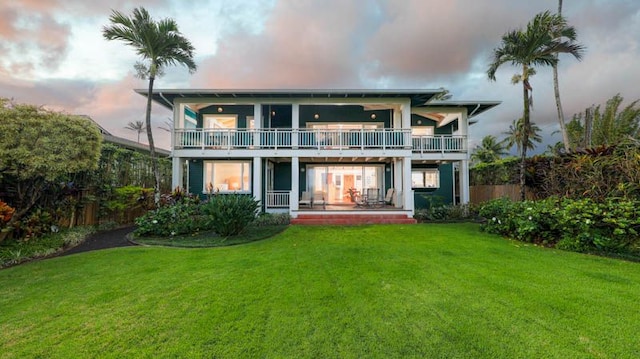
(275, 138)
(277, 199)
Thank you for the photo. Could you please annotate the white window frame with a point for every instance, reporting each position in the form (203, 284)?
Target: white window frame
(419, 131)
(210, 121)
(427, 178)
(208, 176)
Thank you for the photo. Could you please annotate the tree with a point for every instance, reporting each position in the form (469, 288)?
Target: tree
(489, 150)
(39, 147)
(159, 44)
(595, 127)
(518, 132)
(535, 46)
(137, 126)
(561, 30)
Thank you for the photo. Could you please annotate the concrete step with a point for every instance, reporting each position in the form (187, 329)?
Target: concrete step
(351, 219)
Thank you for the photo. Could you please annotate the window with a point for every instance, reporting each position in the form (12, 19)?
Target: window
(227, 176)
(425, 178)
(220, 121)
(422, 131)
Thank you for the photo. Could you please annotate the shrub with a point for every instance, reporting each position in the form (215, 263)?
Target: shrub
(579, 225)
(230, 213)
(181, 218)
(446, 213)
(272, 219)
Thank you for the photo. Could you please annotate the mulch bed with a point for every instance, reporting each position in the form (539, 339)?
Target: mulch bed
(103, 240)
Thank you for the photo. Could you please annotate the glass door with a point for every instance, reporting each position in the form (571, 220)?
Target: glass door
(338, 183)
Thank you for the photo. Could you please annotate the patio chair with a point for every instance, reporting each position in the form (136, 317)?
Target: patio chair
(388, 198)
(372, 197)
(318, 198)
(305, 199)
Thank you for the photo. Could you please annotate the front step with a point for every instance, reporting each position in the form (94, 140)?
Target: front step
(351, 219)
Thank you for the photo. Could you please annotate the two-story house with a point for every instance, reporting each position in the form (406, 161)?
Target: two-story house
(341, 156)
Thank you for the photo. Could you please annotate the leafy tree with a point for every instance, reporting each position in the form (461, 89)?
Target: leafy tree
(489, 150)
(39, 147)
(560, 29)
(596, 127)
(159, 44)
(535, 46)
(517, 132)
(137, 126)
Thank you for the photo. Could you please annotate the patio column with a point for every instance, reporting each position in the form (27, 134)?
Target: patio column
(406, 184)
(295, 187)
(406, 114)
(295, 124)
(398, 183)
(177, 173)
(257, 180)
(464, 181)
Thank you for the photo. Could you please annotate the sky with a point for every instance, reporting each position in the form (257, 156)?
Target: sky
(52, 53)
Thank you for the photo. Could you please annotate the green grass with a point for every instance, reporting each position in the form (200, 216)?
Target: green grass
(211, 239)
(380, 291)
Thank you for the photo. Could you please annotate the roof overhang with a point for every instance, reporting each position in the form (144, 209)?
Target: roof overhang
(166, 97)
(474, 108)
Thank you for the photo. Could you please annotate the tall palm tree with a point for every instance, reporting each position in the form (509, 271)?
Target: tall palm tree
(137, 126)
(159, 44)
(517, 132)
(561, 30)
(489, 150)
(534, 46)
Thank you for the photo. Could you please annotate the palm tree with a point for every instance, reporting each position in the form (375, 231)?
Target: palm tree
(159, 44)
(561, 30)
(535, 46)
(137, 126)
(489, 150)
(517, 132)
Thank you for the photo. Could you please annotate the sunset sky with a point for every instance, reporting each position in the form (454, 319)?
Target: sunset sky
(53, 53)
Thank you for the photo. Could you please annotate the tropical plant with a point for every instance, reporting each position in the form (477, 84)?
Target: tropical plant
(489, 150)
(159, 44)
(38, 150)
(518, 132)
(560, 29)
(595, 127)
(137, 126)
(231, 213)
(535, 46)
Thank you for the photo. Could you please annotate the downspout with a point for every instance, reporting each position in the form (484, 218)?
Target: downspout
(468, 117)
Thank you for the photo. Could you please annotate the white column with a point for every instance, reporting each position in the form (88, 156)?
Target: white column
(257, 179)
(406, 114)
(406, 184)
(176, 172)
(295, 187)
(295, 124)
(257, 124)
(463, 129)
(398, 183)
(464, 181)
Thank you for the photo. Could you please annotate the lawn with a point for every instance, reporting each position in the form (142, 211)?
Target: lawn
(378, 291)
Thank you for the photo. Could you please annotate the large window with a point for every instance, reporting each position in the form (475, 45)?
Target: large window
(227, 176)
(220, 121)
(425, 178)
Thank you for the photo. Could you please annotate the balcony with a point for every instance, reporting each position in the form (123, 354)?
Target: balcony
(324, 139)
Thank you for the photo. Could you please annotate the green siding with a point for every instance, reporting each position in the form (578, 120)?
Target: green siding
(346, 113)
(282, 176)
(196, 176)
(443, 195)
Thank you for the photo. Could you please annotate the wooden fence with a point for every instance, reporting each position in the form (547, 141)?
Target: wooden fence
(483, 193)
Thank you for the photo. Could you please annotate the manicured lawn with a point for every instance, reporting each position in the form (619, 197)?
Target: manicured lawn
(425, 291)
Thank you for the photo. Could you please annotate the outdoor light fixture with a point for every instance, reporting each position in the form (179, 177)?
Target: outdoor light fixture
(419, 122)
(373, 116)
(220, 109)
(273, 113)
(316, 116)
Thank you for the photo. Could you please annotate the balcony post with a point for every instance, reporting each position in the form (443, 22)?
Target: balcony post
(177, 172)
(257, 124)
(295, 124)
